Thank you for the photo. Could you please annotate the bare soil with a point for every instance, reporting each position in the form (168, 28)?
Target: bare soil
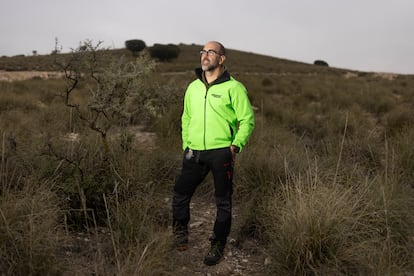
(241, 258)
(27, 75)
(90, 253)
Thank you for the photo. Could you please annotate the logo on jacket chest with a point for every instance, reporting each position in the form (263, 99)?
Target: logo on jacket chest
(216, 95)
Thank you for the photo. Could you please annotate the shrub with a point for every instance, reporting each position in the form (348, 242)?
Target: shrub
(164, 52)
(90, 169)
(135, 45)
(320, 62)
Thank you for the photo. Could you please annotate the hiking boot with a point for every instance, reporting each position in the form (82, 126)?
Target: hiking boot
(181, 241)
(215, 254)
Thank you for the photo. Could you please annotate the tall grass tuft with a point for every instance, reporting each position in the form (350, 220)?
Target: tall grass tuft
(29, 231)
(138, 232)
(315, 227)
(262, 166)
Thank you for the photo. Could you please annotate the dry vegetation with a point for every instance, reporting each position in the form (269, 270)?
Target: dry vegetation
(324, 187)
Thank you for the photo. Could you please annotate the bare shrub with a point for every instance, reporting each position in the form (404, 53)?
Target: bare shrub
(100, 96)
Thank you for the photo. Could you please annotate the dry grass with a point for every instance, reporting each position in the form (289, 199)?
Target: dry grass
(318, 227)
(29, 231)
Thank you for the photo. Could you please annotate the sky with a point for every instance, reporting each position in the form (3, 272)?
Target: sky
(363, 35)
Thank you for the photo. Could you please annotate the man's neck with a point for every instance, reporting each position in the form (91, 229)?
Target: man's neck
(213, 75)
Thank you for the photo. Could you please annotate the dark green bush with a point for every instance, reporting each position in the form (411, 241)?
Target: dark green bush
(320, 62)
(164, 52)
(135, 45)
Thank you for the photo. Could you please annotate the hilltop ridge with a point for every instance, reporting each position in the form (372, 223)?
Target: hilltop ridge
(239, 61)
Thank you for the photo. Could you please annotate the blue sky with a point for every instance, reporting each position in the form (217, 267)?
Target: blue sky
(364, 35)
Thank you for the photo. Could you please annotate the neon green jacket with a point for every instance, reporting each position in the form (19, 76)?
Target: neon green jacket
(216, 116)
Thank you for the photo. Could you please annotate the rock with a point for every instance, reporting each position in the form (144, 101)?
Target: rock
(223, 268)
(267, 261)
(196, 224)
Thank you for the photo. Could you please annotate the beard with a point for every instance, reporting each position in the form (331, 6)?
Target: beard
(210, 66)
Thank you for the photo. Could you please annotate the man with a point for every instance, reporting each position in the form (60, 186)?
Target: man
(217, 121)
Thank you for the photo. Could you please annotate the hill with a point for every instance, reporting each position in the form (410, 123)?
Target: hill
(238, 61)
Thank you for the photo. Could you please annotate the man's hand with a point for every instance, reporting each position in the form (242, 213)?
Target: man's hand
(234, 150)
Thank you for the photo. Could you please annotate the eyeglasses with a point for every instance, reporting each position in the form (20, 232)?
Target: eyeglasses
(209, 53)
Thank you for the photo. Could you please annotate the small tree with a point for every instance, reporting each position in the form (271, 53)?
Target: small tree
(116, 83)
(135, 45)
(112, 87)
(320, 63)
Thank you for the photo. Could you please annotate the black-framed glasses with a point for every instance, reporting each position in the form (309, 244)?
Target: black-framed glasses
(209, 53)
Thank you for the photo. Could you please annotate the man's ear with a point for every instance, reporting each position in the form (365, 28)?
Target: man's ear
(222, 59)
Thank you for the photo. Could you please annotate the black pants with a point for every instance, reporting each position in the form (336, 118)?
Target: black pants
(196, 166)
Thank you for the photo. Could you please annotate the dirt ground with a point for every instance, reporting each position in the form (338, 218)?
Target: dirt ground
(86, 254)
(26, 75)
(240, 258)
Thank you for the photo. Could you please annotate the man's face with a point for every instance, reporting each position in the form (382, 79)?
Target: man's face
(210, 57)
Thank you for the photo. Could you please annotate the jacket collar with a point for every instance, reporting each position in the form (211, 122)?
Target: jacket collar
(222, 78)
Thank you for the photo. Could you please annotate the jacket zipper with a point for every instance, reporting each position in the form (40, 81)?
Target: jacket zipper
(205, 120)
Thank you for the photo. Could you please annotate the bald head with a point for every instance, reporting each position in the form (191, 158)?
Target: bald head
(216, 45)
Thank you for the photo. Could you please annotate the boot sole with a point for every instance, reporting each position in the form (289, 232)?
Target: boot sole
(211, 263)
